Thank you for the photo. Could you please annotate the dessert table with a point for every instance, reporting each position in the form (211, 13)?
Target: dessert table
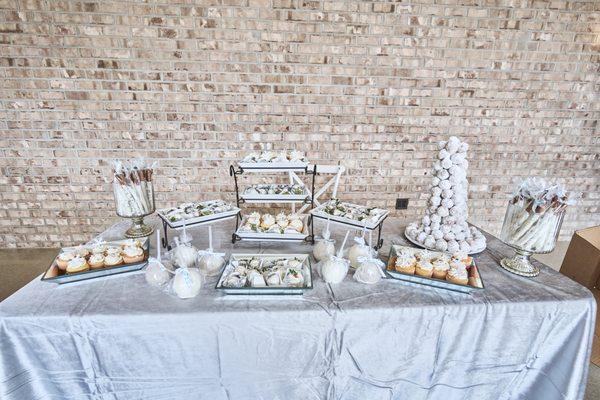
(119, 338)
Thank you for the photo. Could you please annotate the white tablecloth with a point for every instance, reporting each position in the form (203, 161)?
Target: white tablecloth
(122, 339)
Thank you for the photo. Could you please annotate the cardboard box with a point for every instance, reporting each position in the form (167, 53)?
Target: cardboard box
(582, 261)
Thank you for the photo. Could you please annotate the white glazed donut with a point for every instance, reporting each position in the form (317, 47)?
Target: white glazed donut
(454, 180)
(449, 236)
(429, 241)
(448, 203)
(445, 184)
(427, 230)
(436, 191)
(446, 163)
(443, 153)
(443, 174)
(426, 221)
(441, 245)
(435, 200)
(437, 234)
(455, 170)
(464, 246)
(456, 229)
(421, 237)
(457, 158)
(453, 246)
(450, 220)
(447, 193)
(453, 145)
(435, 181)
(435, 225)
(442, 211)
(455, 210)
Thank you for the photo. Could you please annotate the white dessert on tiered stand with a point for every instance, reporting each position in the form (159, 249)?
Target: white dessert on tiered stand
(444, 226)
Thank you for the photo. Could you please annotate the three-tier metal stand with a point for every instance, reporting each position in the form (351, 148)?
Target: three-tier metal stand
(308, 199)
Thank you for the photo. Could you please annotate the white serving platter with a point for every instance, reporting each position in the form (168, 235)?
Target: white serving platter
(473, 251)
(273, 237)
(267, 290)
(320, 213)
(204, 219)
(273, 166)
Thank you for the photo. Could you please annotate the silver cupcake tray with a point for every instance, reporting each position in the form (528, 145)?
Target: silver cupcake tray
(55, 275)
(268, 290)
(433, 282)
(273, 236)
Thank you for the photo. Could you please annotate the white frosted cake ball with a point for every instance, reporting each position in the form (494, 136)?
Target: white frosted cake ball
(156, 275)
(187, 283)
(210, 263)
(334, 270)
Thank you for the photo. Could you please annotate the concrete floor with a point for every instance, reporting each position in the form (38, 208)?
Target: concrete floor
(19, 266)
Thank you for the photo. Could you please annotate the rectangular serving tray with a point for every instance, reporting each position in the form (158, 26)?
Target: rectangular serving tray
(276, 198)
(268, 290)
(321, 214)
(433, 282)
(205, 219)
(273, 237)
(51, 274)
(272, 166)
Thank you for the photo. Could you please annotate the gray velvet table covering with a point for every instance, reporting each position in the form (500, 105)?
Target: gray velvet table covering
(119, 338)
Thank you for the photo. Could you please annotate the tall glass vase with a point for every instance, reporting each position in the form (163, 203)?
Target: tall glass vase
(529, 230)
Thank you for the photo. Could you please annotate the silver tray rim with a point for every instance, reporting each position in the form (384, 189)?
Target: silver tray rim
(266, 290)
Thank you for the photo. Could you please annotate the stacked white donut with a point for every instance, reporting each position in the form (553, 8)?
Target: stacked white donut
(444, 226)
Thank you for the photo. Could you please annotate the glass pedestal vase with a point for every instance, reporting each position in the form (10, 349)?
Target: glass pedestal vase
(520, 264)
(529, 230)
(138, 228)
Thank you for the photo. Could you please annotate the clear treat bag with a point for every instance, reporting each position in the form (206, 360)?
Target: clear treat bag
(532, 223)
(334, 269)
(210, 262)
(369, 271)
(156, 273)
(358, 250)
(324, 246)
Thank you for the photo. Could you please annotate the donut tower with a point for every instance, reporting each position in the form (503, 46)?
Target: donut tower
(444, 226)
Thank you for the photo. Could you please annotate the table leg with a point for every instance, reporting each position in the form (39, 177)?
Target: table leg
(165, 238)
(379, 244)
